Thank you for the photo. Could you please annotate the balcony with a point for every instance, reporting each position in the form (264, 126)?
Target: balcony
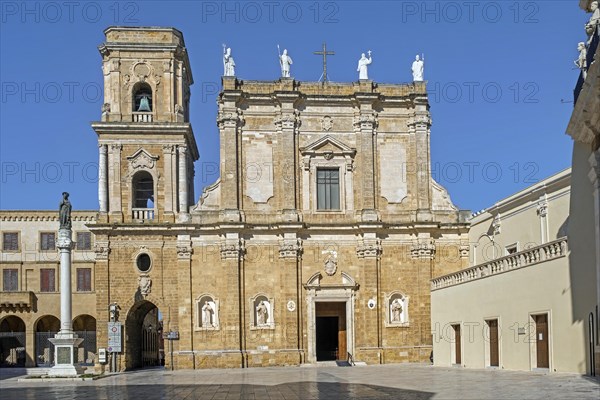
(16, 301)
(142, 117)
(143, 214)
(539, 254)
(591, 52)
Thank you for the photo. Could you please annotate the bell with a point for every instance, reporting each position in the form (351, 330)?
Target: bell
(144, 104)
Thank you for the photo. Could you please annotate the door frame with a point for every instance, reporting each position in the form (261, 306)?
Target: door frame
(487, 342)
(329, 296)
(533, 340)
(453, 344)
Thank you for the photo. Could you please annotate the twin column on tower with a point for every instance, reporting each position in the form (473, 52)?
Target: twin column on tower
(109, 170)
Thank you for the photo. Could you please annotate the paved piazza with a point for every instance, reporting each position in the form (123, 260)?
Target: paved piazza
(373, 382)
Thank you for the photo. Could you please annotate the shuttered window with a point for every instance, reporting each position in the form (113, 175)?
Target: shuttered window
(47, 241)
(47, 280)
(10, 241)
(84, 240)
(84, 279)
(10, 280)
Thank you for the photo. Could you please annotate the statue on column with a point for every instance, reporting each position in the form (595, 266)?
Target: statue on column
(228, 63)
(363, 65)
(285, 61)
(64, 212)
(418, 67)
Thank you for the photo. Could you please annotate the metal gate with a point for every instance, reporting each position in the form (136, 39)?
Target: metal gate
(87, 349)
(12, 349)
(44, 350)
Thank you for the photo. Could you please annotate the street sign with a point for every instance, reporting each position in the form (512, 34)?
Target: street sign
(114, 337)
(172, 335)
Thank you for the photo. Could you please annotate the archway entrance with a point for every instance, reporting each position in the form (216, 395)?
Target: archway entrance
(85, 327)
(12, 342)
(143, 332)
(45, 328)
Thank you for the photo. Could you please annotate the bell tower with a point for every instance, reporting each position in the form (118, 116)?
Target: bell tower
(146, 143)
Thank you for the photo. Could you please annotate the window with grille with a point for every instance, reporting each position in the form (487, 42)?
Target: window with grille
(328, 189)
(10, 241)
(84, 279)
(47, 280)
(47, 241)
(84, 240)
(10, 280)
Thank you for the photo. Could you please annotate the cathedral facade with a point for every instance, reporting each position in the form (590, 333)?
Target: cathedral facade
(318, 241)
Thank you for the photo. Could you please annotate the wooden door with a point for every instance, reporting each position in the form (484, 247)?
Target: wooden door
(457, 357)
(541, 337)
(342, 348)
(494, 348)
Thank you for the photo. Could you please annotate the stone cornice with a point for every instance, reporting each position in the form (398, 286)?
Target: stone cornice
(44, 215)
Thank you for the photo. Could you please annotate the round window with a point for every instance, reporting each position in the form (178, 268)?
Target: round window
(143, 262)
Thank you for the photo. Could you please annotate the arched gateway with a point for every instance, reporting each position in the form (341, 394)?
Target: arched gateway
(143, 336)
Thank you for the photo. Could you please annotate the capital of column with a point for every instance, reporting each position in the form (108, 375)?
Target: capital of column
(64, 242)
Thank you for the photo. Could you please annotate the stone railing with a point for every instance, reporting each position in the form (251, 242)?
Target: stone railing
(534, 255)
(142, 117)
(142, 213)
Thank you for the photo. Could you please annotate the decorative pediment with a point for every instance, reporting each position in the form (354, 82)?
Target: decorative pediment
(328, 145)
(141, 159)
(342, 281)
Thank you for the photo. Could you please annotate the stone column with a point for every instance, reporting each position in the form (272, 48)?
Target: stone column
(594, 176)
(285, 171)
(114, 177)
(170, 205)
(420, 125)
(183, 181)
(366, 126)
(65, 341)
(102, 178)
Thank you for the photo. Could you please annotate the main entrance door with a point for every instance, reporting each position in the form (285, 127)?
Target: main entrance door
(330, 332)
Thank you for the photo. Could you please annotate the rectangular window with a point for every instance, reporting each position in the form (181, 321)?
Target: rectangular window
(84, 240)
(328, 189)
(84, 279)
(47, 281)
(512, 249)
(10, 280)
(47, 241)
(10, 241)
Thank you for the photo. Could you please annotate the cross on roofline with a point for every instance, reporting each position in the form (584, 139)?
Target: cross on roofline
(325, 53)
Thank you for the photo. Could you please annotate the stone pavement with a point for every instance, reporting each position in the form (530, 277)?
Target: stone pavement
(400, 381)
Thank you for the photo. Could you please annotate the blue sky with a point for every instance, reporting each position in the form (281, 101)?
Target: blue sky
(496, 70)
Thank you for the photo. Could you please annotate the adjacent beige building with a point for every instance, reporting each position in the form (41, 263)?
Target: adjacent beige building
(513, 308)
(29, 287)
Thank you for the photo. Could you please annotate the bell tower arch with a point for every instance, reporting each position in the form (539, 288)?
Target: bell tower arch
(146, 143)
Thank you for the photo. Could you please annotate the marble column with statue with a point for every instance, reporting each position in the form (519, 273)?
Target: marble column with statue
(65, 342)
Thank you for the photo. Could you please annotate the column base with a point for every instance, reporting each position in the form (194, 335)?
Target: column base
(65, 354)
